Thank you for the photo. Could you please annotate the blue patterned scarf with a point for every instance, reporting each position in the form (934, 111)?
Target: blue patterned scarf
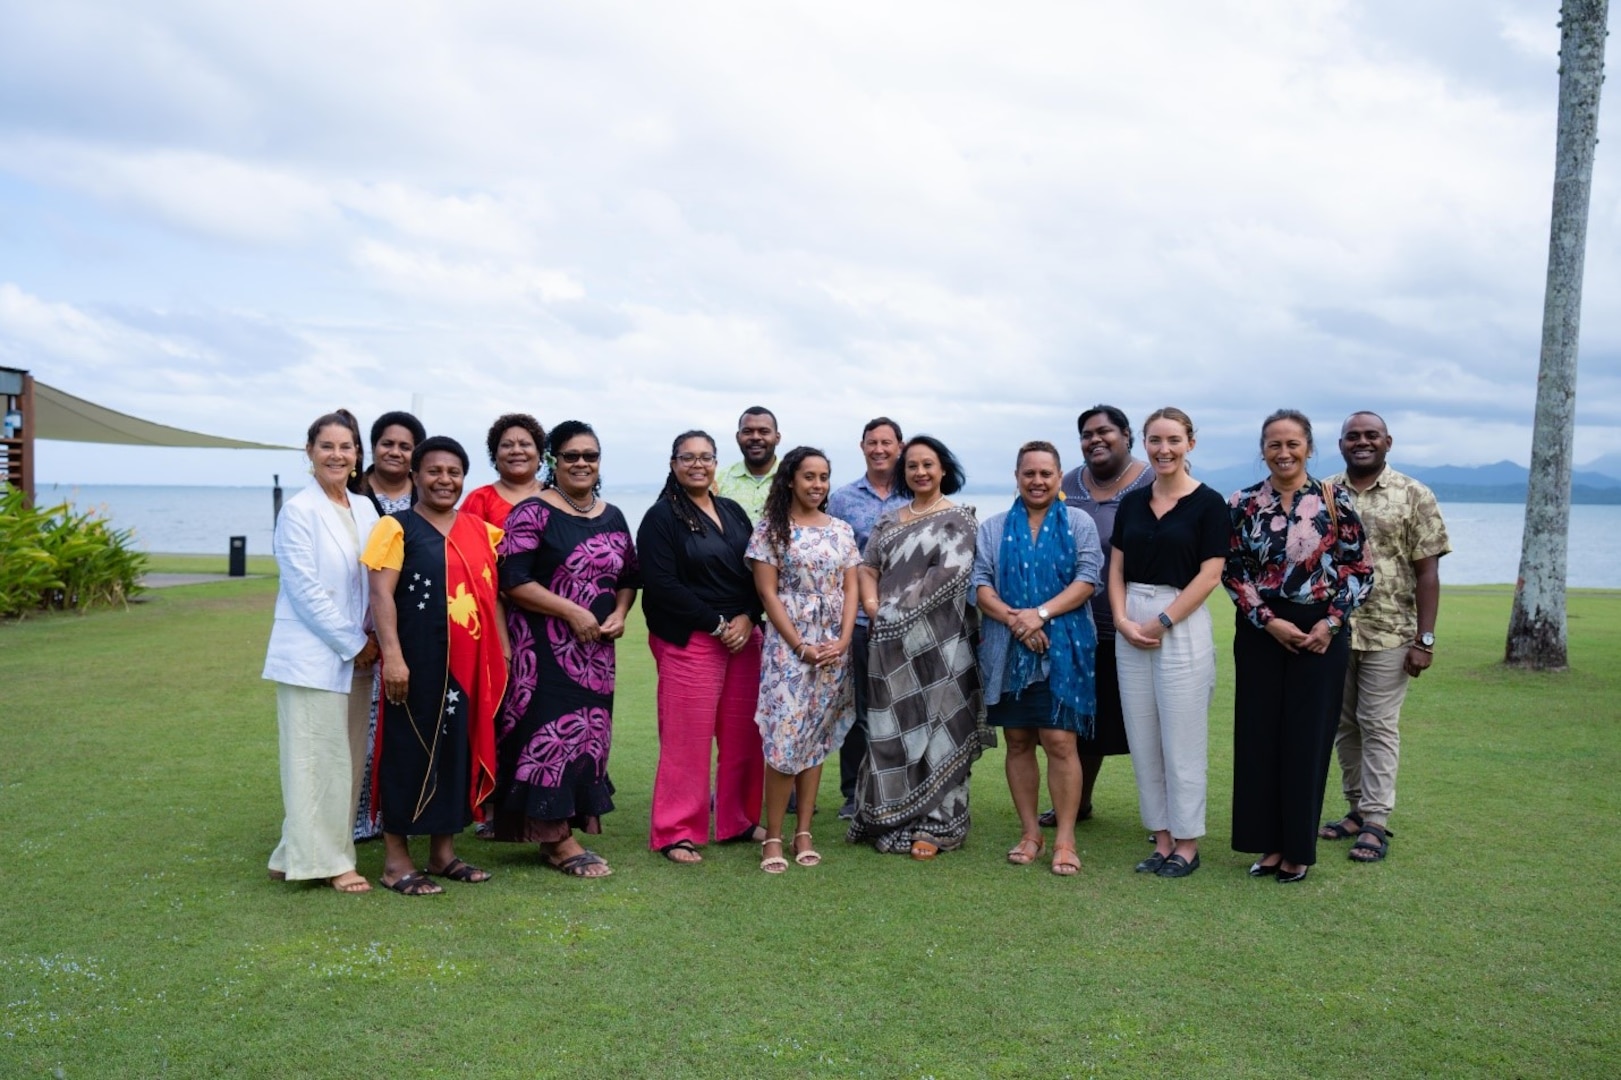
(1029, 572)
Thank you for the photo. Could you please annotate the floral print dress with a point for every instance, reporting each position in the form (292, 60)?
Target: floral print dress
(553, 735)
(805, 711)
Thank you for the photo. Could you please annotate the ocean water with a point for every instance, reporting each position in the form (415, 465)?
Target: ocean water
(1485, 536)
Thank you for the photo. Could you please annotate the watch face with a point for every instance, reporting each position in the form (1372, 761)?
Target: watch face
(1427, 640)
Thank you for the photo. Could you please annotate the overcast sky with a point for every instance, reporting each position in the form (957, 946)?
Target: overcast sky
(973, 217)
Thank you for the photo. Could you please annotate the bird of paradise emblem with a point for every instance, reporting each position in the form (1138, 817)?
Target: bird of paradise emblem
(463, 608)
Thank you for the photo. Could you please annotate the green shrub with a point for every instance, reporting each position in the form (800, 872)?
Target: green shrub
(57, 559)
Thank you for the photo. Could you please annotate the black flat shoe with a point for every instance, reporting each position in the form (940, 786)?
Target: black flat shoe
(1290, 879)
(1152, 864)
(1177, 866)
(1261, 869)
(1048, 819)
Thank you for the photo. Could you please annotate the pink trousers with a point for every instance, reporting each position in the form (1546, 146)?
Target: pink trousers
(706, 700)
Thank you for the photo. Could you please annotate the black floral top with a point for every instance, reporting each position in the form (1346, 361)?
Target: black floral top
(1296, 552)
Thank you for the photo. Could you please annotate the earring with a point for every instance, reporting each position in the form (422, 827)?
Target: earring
(310, 468)
(354, 473)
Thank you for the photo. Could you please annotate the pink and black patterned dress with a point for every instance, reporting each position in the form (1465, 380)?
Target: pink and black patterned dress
(553, 734)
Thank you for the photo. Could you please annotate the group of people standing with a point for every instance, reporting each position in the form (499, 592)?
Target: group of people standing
(443, 659)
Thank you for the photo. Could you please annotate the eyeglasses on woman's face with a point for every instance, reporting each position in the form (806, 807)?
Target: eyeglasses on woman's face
(695, 459)
(590, 457)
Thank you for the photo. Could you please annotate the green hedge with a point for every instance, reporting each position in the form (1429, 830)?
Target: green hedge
(56, 559)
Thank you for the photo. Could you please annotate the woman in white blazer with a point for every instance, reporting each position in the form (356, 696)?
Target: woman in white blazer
(318, 639)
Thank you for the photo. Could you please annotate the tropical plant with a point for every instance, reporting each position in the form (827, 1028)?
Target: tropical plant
(60, 559)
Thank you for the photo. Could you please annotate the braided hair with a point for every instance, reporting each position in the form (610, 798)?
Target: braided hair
(560, 437)
(779, 500)
(686, 511)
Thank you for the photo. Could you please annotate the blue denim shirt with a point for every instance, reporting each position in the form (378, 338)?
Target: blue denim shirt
(861, 506)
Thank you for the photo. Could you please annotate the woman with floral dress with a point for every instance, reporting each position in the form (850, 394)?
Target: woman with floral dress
(1297, 568)
(804, 564)
(569, 575)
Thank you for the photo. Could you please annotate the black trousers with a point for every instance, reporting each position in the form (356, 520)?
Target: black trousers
(1286, 707)
(854, 747)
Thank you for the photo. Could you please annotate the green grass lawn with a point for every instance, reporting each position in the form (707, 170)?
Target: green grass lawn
(140, 937)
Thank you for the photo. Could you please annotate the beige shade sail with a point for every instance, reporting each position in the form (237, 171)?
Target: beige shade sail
(60, 415)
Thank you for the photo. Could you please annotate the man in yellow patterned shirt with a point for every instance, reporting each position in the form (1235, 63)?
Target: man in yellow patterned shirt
(747, 481)
(1392, 633)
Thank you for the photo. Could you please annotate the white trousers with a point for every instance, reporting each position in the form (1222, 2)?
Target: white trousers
(317, 730)
(1165, 695)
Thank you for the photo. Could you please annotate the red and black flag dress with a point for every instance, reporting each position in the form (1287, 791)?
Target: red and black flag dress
(436, 752)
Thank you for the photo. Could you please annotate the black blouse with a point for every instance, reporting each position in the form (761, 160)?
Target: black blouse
(1168, 550)
(692, 580)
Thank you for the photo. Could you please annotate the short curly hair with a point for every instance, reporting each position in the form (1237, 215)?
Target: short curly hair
(492, 441)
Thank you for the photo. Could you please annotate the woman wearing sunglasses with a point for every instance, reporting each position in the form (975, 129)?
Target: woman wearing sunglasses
(569, 575)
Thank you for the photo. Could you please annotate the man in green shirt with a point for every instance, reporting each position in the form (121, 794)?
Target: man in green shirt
(747, 481)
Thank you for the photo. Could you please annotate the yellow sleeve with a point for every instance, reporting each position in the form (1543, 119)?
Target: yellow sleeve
(386, 548)
(495, 535)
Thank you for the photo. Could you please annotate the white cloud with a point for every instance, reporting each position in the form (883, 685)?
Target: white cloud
(977, 219)
(422, 274)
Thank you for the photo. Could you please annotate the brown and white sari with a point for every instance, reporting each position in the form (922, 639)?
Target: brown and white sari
(925, 711)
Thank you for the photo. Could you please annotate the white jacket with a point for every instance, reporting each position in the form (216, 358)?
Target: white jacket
(321, 607)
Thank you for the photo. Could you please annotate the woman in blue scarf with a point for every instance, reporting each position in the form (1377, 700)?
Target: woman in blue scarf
(1034, 570)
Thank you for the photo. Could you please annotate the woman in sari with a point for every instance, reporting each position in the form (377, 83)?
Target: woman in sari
(569, 574)
(925, 713)
(1036, 567)
(444, 646)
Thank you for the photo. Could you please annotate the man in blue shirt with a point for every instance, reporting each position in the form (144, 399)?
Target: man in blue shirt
(861, 503)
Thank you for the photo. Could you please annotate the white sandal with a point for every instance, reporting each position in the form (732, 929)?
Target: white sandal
(808, 857)
(772, 864)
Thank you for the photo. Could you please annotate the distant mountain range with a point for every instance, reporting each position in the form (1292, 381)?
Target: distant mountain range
(1598, 481)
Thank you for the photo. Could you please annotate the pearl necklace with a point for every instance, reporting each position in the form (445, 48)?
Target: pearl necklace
(578, 509)
(927, 509)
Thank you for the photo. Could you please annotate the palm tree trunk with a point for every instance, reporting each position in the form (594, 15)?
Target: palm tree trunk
(1536, 629)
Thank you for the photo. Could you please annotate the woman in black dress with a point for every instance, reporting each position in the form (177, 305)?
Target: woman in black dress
(569, 575)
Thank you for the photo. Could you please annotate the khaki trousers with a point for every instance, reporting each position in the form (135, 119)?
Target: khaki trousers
(1367, 740)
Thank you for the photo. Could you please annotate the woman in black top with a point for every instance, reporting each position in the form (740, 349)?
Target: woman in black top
(702, 613)
(1170, 544)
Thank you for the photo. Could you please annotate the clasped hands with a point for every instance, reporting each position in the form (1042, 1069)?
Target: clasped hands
(828, 652)
(1294, 639)
(1028, 629)
(586, 627)
(1149, 635)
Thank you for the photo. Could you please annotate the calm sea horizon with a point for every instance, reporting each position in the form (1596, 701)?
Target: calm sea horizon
(202, 520)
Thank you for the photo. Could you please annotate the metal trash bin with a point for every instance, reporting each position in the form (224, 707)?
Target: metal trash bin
(239, 556)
